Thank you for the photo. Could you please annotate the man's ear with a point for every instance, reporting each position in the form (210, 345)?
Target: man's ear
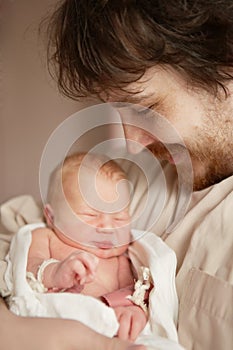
(49, 215)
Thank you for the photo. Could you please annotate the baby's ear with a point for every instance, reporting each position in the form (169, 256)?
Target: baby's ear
(49, 215)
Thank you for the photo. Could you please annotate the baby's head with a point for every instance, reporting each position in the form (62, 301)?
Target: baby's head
(88, 204)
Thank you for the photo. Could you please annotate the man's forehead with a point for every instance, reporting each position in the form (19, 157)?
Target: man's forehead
(136, 92)
(151, 88)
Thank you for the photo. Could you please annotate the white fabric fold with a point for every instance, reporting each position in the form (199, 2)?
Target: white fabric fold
(149, 250)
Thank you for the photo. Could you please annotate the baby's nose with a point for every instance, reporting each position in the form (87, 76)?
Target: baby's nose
(105, 224)
(104, 230)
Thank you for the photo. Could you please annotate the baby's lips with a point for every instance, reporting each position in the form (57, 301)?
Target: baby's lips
(136, 347)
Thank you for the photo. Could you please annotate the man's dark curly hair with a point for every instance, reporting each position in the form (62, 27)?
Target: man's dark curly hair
(101, 46)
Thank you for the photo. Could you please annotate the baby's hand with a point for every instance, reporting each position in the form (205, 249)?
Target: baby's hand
(77, 269)
(132, 320)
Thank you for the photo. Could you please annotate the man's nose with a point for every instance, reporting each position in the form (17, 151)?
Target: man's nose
(137, 139)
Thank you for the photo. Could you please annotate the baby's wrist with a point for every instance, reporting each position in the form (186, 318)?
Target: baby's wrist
(46, 273)
(118, 297)
(42, 282)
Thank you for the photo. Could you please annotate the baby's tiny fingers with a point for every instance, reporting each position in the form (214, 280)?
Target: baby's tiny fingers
(90, 261)
(82, 281)
(90, 278)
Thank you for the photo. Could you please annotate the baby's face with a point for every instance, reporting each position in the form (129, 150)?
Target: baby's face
(95, 228)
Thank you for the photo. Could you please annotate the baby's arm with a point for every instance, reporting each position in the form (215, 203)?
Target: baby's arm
(78, 268)
(132, 319)
(71, 273)
(39, 250)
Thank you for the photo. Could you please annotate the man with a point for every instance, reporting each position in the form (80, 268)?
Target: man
(176, 58)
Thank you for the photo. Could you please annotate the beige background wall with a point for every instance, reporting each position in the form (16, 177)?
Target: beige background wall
(31, 107)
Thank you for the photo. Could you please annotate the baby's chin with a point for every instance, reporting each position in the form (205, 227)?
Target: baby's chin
(106, 253)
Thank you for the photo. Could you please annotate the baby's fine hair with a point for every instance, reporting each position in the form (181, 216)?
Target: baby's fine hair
(106, 167)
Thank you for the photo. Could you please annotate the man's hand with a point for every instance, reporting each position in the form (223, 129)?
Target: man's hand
(132, 320)
(76, 270)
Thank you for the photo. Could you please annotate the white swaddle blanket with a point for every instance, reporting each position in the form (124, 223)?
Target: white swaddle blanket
(160, 331)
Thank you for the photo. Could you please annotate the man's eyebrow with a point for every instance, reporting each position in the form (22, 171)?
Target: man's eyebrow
(124, 102)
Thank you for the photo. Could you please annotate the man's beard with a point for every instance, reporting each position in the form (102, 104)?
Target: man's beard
(210, 167)
(209, 164)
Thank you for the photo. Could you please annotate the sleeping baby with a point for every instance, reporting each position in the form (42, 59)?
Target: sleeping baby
(87, 263)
